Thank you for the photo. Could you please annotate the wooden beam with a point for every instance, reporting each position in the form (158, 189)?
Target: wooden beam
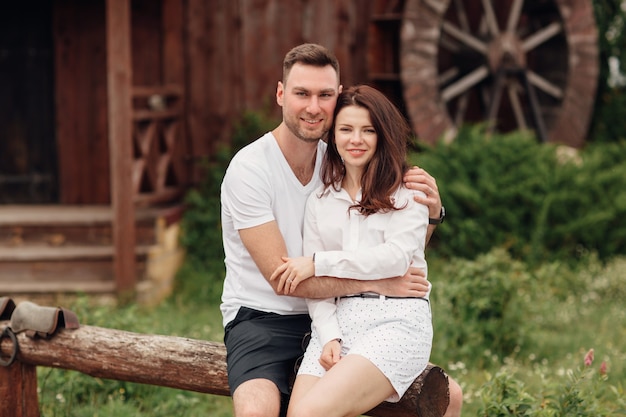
(119, 88)
(173, 57)
(173, 12)
(183, 363)
(18, 390)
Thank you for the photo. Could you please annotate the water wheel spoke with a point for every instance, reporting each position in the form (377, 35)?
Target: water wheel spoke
(541, 36)
(512, 90)
(490, 16)
(465, 37)
(505, 63)
(494, 101)
(514, 15)
(465, 83)
(535, 108)
(544, 85)
(459, 116)
(462, 15)
(485, 95)
(448, 76)
(449, 44)
(483, 30)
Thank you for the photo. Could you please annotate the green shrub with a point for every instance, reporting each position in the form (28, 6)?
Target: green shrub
(504, 395)
(499, 191)
(576, 393)
(533, 199)
(610, 101)
(480, 308)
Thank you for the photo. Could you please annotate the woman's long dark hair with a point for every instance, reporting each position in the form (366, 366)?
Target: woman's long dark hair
(383, 174)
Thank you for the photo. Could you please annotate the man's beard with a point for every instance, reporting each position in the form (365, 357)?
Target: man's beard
(303, 135)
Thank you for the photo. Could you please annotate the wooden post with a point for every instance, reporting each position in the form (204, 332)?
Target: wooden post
(188, 364)
(173, 12)
(173, 56)
(119, 84)
(18, 386)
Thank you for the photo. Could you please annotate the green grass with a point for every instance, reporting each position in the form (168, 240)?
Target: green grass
(564, 327)
(568, 332)
(69, 393)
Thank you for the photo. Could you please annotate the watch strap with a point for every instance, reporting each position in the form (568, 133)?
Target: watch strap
(442, 216)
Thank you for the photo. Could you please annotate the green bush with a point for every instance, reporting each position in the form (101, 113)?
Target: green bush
(537, 200)
(510, 191)
(610, 101)
(480, 308)
(503, 395)
(577, 393)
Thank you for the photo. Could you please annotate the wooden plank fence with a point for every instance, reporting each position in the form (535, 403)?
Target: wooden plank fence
(167, 361)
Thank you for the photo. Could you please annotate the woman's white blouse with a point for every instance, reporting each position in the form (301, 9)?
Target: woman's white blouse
(347, 244)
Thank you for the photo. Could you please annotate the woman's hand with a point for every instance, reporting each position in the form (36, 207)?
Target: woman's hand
(331, 353)
(418, 179)
(292, 273)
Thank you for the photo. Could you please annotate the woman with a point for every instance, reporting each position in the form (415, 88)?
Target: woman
(361, 224)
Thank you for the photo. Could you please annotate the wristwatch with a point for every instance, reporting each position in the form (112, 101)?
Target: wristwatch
(442, 216)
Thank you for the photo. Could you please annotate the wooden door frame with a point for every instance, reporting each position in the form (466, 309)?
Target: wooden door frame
(119, 89)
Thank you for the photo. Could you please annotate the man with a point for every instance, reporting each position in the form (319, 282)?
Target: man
(263, 198)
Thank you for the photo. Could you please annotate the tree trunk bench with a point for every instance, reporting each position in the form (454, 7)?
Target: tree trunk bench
(169, 361)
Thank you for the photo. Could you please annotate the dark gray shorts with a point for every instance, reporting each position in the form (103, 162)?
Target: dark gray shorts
(264, 345)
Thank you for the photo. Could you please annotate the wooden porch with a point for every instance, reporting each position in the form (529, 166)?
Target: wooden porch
(52, 249)
(114, 146)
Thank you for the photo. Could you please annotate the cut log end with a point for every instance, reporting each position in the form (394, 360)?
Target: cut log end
(428, 396)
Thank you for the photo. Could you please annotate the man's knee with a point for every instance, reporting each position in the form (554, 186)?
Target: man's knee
(456, 399)
(257, 398)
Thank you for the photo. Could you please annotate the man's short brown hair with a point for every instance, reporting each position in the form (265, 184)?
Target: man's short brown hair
(309, 54)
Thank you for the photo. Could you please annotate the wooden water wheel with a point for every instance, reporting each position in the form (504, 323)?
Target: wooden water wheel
(512, 64)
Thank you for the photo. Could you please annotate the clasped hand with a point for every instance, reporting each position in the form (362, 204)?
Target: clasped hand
(331, 354)
(292, 273)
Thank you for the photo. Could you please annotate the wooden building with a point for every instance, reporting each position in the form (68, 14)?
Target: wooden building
(107, 105)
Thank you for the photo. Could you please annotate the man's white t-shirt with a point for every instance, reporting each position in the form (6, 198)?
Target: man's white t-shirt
(258, 187)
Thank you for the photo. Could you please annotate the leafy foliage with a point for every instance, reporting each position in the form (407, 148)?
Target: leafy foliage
(539, 201)
(504, 396)
(575, 394)
(481, 306)
(610, 103)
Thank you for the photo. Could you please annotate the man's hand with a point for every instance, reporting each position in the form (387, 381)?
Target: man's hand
(292, 273)
(418, 179)
(331, 353)
(411, 284)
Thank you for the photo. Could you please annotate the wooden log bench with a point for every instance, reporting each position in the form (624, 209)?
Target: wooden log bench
(169, 361)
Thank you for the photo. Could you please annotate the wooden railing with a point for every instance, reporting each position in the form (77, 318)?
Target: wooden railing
(158, 172)
(168, 361)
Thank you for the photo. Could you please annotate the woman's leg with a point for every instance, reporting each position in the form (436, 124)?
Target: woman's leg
(301, 387)
(456, 399)
(353, 386)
